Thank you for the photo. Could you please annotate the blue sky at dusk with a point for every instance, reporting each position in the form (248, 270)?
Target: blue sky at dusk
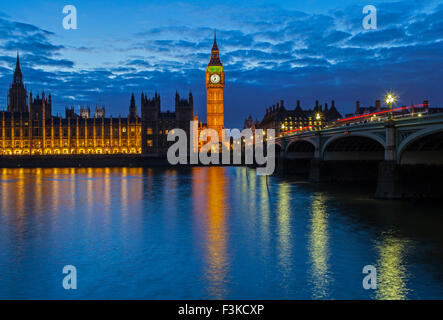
(271, 50)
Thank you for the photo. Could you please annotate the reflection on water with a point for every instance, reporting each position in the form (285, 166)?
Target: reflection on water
(208, 233)
(391, 268)
(318, 247)
(284, 232)
(210, 188)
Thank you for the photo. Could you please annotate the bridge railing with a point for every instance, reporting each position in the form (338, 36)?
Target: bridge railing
(362, 120)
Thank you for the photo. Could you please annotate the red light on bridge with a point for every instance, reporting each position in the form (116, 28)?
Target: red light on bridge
(298, 129)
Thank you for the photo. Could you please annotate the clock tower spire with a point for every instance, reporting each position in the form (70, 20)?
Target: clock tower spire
(215, 86)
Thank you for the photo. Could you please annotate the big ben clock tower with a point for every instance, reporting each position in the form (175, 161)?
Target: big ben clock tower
(215, 85)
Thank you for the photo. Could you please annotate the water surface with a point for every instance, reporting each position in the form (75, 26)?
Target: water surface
(209, 233)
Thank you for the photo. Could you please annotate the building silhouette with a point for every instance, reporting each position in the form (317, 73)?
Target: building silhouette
(17, 95)
(157, 124)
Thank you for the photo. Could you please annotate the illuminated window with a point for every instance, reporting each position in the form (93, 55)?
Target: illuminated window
(149, 143)
(149, 131)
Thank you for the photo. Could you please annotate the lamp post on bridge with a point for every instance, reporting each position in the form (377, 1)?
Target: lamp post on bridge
(390, 99)
(388, 185)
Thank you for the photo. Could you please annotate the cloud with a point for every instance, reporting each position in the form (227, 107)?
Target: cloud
(269, 54)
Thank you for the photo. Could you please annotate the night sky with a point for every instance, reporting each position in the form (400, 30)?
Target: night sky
(271, 50)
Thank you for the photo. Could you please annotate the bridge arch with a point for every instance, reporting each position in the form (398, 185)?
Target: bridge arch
(300, 149)
(422, 147)
(361, 146)
(278, 149)
(302, 145)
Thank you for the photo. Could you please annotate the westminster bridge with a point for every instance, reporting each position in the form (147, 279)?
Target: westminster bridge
(402, 156)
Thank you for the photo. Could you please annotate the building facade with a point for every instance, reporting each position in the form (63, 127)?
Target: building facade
(215, 86)
(283, 120)
(31, 129)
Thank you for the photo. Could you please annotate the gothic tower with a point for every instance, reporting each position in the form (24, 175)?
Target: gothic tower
(150, 113)
(17, 93)
(132, 108)
(215, 85)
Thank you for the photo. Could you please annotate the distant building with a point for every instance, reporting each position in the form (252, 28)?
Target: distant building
(251, 124)
(283, 120)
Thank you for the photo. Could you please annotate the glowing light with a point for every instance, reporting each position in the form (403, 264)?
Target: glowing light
(318, 116)
(299, 129)
(390, 98)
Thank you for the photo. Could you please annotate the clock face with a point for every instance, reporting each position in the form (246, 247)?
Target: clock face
(215, 78)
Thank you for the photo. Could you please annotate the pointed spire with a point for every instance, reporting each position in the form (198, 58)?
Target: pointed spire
(215, 56)
(214, 45)
(18, 77)
(17, 64)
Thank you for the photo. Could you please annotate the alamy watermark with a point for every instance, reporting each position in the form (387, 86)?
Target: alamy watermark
(234, 143)
(70, 280)
(70, 21)
(370, 281)
(370, 20)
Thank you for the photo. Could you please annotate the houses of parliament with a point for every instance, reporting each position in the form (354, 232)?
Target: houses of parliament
(28, 127)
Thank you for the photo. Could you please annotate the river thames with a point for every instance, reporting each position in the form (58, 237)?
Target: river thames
(210, 233)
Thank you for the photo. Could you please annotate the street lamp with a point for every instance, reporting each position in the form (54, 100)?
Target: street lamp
(390, 99)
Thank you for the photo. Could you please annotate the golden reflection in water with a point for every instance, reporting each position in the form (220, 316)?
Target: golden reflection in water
(107, 195)
(38, 190)
(72, 191)
(124, 192)
(212, 191)
(19, 193)
(319, 248)
(4, 188)
(284, 231)
(55, 185)
(391, 270)
(89, 191)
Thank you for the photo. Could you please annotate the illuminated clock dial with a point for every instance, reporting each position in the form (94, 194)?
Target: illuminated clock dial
(215, 78)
